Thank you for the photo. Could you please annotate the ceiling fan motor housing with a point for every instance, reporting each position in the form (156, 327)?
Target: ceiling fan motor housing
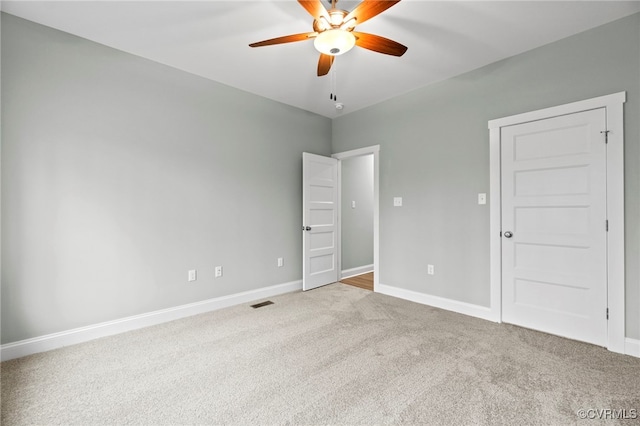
(334, 37)
(335, 20)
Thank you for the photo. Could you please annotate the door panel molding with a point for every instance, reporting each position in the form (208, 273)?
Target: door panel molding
(613, 105)
(319, 220)
(554, 264)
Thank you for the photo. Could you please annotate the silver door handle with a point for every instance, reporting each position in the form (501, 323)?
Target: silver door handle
(306, 228)
(508, 234)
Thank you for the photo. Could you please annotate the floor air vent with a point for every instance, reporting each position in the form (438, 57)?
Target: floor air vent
(260, 305)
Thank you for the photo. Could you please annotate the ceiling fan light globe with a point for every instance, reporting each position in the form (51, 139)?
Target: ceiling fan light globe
(334, 42)
(336, 17)
(322, 24)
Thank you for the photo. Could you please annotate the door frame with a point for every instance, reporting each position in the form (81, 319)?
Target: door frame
(613, 105)
(360, 152)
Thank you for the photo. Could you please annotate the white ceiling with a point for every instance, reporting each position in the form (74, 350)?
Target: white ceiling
(210, 39)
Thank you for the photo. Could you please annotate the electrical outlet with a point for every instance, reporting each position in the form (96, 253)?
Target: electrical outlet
(218, 271)
(397, 201)
(280, 262)
(192, 276)
(430, 270)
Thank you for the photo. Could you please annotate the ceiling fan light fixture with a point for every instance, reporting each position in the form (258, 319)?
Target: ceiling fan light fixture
(349, 25)
(337, 16)
(334, 42)
(322, 24)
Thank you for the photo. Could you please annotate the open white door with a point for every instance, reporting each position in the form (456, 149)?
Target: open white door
(319, 220)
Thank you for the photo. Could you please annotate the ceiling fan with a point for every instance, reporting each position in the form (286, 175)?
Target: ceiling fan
(333, 31)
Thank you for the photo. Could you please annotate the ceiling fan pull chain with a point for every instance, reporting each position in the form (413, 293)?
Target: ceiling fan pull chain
(333, 83)
(332, 87)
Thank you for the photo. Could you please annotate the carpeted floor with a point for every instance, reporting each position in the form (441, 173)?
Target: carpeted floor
(334, 355)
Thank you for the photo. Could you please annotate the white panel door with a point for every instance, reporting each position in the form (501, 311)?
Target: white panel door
(319, 220)
(554, 265)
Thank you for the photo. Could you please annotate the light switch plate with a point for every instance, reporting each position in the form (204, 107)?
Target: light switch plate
(482, 198)
(397, 201)
(430, 270)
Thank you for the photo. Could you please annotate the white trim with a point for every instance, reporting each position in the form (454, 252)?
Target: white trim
(91, 332)
(375, 150)
(593, 103)
(464, 308)
(615, 215)
(356, 152)
(347, 273)
(615, 205)
(339, 224)
(632, 347)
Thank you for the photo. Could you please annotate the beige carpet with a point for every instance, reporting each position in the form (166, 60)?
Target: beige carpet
(334, 355)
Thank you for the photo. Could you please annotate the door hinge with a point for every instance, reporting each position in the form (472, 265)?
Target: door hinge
(606, 225)
(607, 313)
(606, 135)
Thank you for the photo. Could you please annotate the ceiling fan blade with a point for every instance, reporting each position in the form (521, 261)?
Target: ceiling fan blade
(368, 9)
(379, 44)
(315, 8)
(284, 39)
(324, 64)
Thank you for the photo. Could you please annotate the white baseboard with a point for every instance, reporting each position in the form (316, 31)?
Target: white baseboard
(439, 302)
(356, 271)
(632, 347)
(84, 334)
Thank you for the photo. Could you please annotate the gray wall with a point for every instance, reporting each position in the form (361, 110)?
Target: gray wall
(434, 152)
(357, 224)
(120, 174)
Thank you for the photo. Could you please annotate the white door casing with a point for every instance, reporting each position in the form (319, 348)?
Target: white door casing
(554, 266)
(319, 221)
(613, 105)
(375, 151)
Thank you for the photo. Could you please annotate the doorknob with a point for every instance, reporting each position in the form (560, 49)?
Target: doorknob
(508, 234)
(306, 228)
